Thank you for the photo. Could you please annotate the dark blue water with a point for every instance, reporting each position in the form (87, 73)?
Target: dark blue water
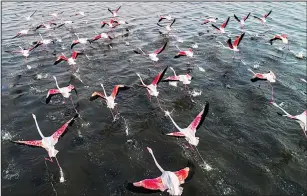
(249, 148)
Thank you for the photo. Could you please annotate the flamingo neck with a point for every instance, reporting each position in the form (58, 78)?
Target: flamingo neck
(141, 80)
(156, 162)
(174, 123)
(56, 83)
(38, 129)
(104, 91)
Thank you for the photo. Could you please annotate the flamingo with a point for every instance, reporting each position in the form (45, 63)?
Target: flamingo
(56, 14)
(101, 35)
(270, 77)
(283, 38)
(71, 60)
(168, 17)
(47, 26)
(189, 132)
(169, 26)
(42, 42)
(242, 20)
(21, 33)
(234, 46)
(112, 23)
(79, 41)
(48, 143)
(152, 88)
(263, 19)
(185, 79)
(27, 17)
(152, 56)
(114, 13)
(67, 22)
(169, 181)
(188, 53)
(301, 118)
(65, 91)
(210, 20)
(110, 100)
(23, 51)
(223, 26)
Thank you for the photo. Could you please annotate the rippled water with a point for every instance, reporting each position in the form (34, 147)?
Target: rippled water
(251, 150)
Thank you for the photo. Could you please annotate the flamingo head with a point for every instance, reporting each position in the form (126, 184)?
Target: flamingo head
(71, 87)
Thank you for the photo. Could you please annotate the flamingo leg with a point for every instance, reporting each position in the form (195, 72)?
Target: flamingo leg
(49, 159)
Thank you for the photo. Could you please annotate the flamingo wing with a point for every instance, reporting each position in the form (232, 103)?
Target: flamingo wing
(36, 45)
(75, 54)
(275, 38)
(110, 11)
(173, 22)
(96, 95)
(266, 15)
(159, 77)
(151, 184)
(16, 35)
(160, 49)
(246, 17)
(182, 174)
(33, 13)
(118, 8)
(215, 26)
(236, 18)
(225, 23)
(238, 40)
(75, 42)
(31, 143)
(56, 135)
(229, 43)
(196, 123)
(176, 134)
(171, 78)
(118, 88)
(179, 54)
(50, 93)
(161, 18)
(59, 59)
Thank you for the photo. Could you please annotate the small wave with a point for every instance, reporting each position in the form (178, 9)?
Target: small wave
(11, 172)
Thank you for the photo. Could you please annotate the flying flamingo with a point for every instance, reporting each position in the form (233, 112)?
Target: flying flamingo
(234, 46)
(110, 100)
(188, 53)
(152, 88)
(169, 26)
(21, 33)
(169, 181)
(210, 20)
(301, 118)
(152, 56)
(49, 142)
(185, 79)
(283, 38)
(263, 19)
(23, 51)
(27, 17)
(67, 22)
(168, 17)
(47, 26)
(56, 14)
(42, 42)
(79, 41)
(71, 60)
(65, 91)
(79, 13)
(242, 20)
(114, 13)
(270, 77)
(112, 23)
(223, 26)
(189, 132)
(101, 35)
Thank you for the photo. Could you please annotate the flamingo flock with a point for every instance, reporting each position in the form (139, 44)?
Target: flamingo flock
(168, 181)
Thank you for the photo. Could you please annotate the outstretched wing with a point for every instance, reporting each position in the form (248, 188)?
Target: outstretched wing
(236, 18)
(246, 17)
(50, 93)
(171, 78)
(238, 40)
(225, 23)
(266, 15)
(152, 184)
(56, 135)
(110, 10)
(159, 77)
(161, 18)
(160, 49)
(59, 59)
(215, 26)
(176, 134)
(275, 38)
(118, 8)
(182, 174)
(33, 13)
(199, 118)
(96, 95)
(75, 54)
(117, 88)
(31, 143)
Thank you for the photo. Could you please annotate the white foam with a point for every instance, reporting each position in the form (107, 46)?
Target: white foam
(195, 93)
(201, 69)
(6, 135)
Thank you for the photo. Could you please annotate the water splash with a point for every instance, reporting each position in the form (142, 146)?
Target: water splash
(41, 76)
(126, 126)
(195, 92)
(201, 69)
(195, 45)
(11, 172)
(6, 135)
(29, 67)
